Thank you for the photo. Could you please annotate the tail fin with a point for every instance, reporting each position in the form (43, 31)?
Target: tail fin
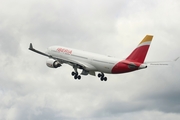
(139, 54)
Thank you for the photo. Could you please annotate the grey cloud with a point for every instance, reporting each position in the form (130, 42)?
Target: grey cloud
(30, 90)
(165, 102)
(151, 92)
(9, 43)
(40, 113)
(118, 108)
(67, 22)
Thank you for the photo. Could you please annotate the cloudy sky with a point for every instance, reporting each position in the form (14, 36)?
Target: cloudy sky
(32, 91)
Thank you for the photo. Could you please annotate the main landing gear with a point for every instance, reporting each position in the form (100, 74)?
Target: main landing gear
(76, 76)
(84, 72)
(102, 77)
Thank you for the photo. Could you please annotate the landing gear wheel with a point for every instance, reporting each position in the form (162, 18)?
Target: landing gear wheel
(79, 77)
(105, 78)
(73, 73)
(75, 77)
(99, 75)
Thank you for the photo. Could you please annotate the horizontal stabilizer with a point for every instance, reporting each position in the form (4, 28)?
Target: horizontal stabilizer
(176, 59)
(161, 63)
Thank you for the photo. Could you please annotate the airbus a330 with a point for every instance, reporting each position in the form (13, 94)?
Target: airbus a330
(90, 63)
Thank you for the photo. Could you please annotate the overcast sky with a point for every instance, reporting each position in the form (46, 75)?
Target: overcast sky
(29, 90)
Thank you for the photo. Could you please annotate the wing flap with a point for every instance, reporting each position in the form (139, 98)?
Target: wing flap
(82, 65)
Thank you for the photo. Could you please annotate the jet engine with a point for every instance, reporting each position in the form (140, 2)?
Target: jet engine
(53, 63)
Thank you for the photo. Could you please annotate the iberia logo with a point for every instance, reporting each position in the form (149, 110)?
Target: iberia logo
(64, 50)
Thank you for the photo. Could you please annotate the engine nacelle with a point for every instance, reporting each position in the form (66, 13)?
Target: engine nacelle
(53, 63)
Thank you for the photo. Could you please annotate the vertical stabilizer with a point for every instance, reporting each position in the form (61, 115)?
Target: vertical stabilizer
(139, 54)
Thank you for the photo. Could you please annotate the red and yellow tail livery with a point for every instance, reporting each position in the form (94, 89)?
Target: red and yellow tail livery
(136, 59)
(139, 54)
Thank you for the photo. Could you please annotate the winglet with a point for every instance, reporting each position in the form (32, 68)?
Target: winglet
(31, 46)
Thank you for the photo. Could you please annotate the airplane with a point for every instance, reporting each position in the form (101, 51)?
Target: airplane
(90, 63)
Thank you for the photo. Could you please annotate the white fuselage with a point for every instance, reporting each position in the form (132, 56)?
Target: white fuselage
(91, 61)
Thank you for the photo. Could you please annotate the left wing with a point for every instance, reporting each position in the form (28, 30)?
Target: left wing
(39, 52)
(75, 64)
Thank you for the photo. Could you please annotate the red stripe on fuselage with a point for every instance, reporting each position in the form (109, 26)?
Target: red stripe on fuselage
(125, 66)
